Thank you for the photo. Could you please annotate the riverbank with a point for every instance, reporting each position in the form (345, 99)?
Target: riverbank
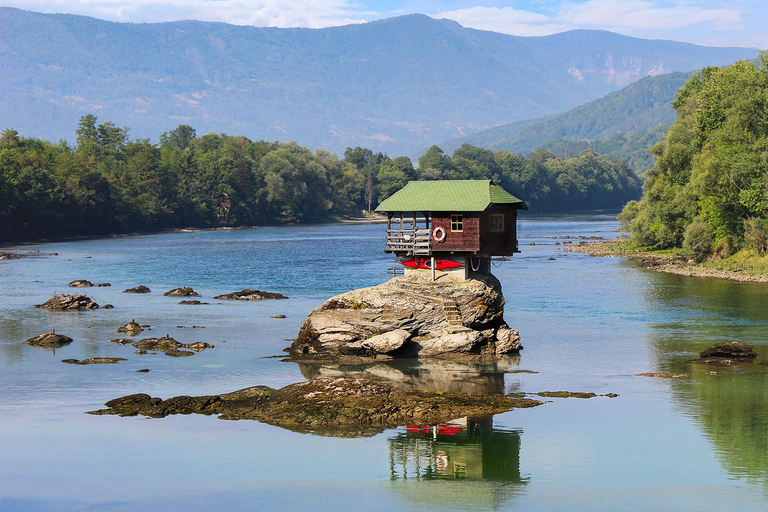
(736, 268)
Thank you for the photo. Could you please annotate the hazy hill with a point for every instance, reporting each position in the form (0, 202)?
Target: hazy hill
(622, 124)
(394, 85)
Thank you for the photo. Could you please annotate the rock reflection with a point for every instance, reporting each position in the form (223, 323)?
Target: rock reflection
(433, 375)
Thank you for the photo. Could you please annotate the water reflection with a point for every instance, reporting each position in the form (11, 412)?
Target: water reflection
(479, 461)
(730, 404)
(465, 448)
(434, 375)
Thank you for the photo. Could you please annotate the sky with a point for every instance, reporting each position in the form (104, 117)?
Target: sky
(705, 22)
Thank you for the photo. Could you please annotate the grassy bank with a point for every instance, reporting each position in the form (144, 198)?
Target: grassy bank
(746, 265)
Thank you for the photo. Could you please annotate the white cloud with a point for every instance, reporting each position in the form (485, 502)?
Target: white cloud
(638, 15)
(270, 13)
(507, 20)
(641, 18)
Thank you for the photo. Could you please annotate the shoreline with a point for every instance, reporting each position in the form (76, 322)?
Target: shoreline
(374, 219)
(661, 262)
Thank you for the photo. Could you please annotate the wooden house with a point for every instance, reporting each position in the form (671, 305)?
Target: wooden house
(451, 225)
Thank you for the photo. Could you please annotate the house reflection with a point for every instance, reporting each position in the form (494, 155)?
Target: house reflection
(463, 449)
(434, 375)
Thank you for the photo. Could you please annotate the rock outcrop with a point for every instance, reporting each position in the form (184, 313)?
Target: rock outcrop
(139, 289)
(131, 328)
(166, 344)
(318, 405)
(49, 340)
(727, 353)
(250, 294)
(410, 316)
(66, 302)
(182, 292)
(84, 283)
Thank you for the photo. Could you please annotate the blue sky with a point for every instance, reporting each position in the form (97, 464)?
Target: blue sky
(707, 22)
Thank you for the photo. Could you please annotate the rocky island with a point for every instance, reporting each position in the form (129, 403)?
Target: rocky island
(410, 316)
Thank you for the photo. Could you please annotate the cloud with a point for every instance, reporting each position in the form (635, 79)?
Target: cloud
(639, 15)
(268, 13)
(506, 20)
(642, 18)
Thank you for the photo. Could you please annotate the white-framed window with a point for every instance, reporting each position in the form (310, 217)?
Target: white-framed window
(497, 223)
(457, 222)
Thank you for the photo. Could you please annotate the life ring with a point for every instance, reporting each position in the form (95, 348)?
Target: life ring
(438, 234)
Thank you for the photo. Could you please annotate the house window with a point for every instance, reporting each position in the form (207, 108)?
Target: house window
(497, 223)
(457, 223)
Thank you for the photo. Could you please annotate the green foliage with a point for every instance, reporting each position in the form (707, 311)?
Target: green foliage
(108, 183)
(711, 169)
(698, 239)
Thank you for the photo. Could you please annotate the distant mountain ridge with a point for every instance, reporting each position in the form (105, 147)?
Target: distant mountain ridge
(393, 85)
(641, 110)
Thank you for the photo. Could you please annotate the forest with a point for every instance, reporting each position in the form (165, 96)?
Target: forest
(107, 183)
(708, 190)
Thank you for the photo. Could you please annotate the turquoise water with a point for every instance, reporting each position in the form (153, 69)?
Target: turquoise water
(587, 324)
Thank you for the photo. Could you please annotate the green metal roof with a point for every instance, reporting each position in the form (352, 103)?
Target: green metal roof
(448, 195)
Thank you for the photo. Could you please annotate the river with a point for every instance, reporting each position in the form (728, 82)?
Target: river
(587, 325)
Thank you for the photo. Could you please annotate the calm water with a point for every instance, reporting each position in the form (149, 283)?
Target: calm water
(588, 324)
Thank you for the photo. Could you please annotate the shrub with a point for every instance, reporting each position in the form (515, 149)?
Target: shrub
(756, 235)
(698, 239)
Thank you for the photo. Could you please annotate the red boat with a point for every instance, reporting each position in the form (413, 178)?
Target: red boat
(426, 263)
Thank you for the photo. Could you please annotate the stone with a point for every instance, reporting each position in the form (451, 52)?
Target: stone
(49, 340)
(730, 349)
(387, 342)
(250, 294)
(168, 346)
(446, 317)
(726, 354)
(66, 302)
(334, 405)
(95, 360)
(182, 292)
(138, 289)
(131, 328)
(80, 283)
(507, 340)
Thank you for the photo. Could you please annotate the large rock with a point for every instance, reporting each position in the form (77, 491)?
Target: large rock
(726, 354)
(66, 302)
(250, 294)
(410, 316)
(49, 340)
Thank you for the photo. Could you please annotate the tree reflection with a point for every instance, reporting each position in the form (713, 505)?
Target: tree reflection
(730, 404)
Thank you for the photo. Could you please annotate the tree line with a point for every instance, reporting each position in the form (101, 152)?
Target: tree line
(708, 190)
(107, 183)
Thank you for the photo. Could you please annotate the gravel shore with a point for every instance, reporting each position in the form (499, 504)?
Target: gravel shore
(661, 262)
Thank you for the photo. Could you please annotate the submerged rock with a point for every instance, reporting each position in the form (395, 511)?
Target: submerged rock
(726, 354)
(167, 345)
(131, 328)
(95, 360)
(317, 405)
(84, 283)
(138, 289)
(80, 283)
(410, 316)
(182, 292)
(249, 294)
(66, 302)
(49, 340)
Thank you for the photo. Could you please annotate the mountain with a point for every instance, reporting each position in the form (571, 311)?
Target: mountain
(622, 124)
(393, 85)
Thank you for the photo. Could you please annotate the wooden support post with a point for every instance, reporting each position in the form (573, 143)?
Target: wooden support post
(432, 264)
